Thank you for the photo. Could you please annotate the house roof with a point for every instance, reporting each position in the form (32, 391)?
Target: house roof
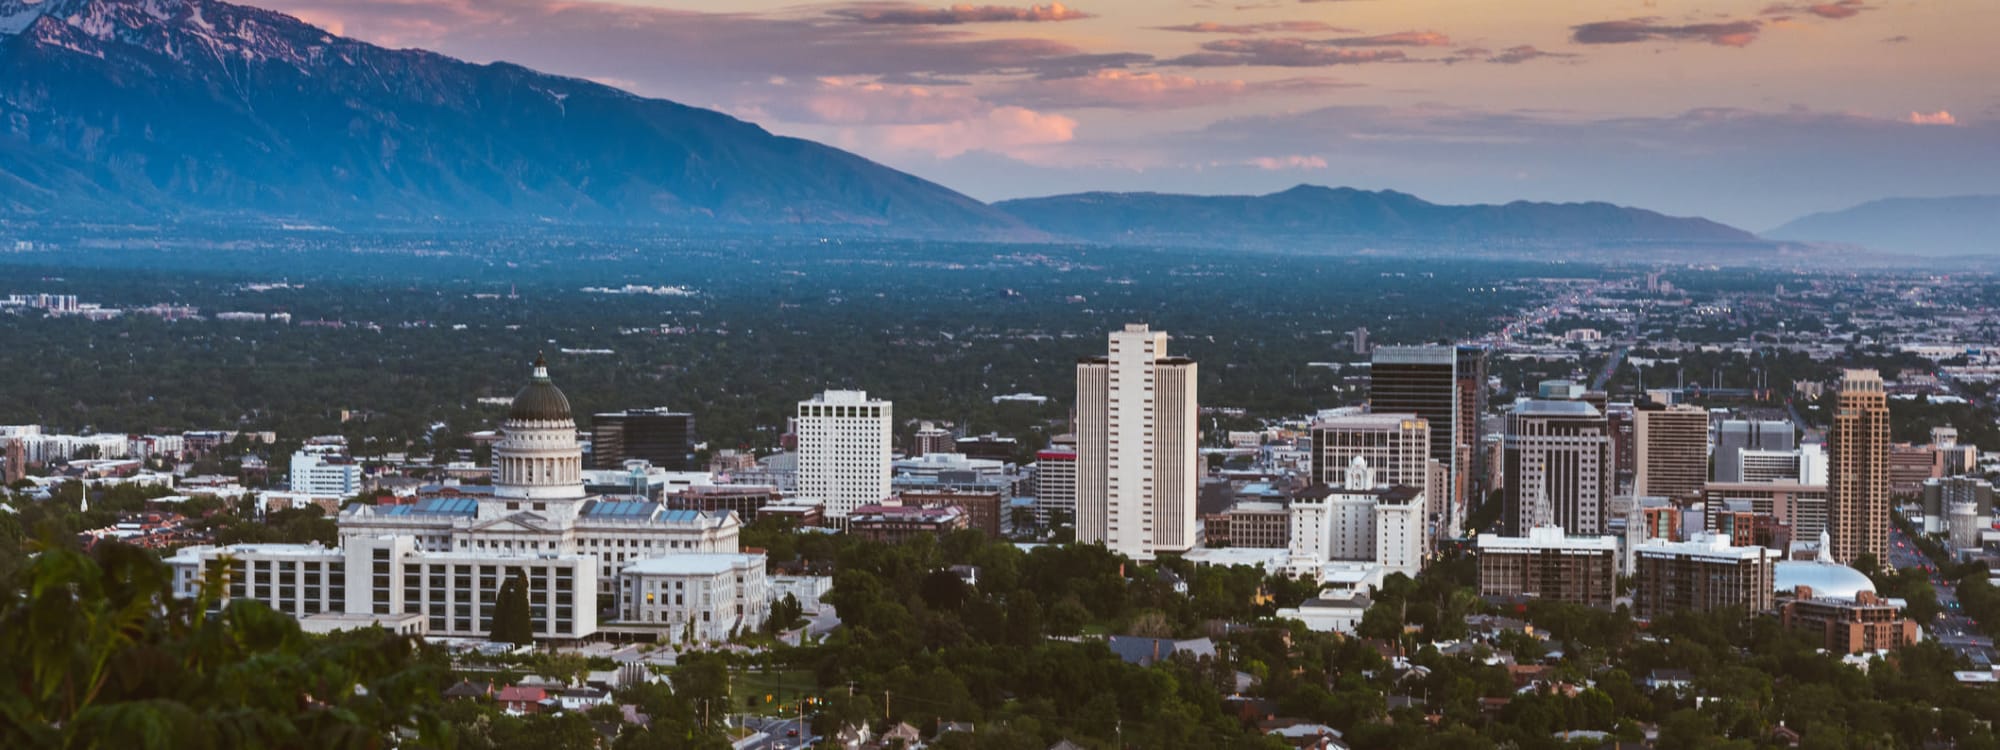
(1148, 651)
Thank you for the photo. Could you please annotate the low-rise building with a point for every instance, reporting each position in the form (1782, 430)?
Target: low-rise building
(1863, 624)
(700, 597)
(893, 524)
(982, 509)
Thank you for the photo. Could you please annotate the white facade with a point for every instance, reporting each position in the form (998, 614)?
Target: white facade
(1360, 521)
(324, 474)
(845, 443)
(1136, 447)
(444, 559)
(1055, 483)
(707, 597)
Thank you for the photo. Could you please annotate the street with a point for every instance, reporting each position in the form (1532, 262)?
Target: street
(1952, 629)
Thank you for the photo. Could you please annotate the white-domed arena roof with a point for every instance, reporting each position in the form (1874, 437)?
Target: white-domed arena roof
(1827, 579)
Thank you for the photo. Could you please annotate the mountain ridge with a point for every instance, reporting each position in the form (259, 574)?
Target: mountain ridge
(201, 108)
(1345, 215)
(1940, 226)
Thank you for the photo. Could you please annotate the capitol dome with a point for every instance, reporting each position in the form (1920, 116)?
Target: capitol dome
(541, 400)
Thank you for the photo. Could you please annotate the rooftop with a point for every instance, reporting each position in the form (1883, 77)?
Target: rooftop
(703, 563)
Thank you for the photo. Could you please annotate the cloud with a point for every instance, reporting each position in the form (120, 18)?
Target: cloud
(1524, 53)
(1398, 39)
(1295, 161)
(1897, 39)
(1283, 53)
(912, 14)
(697, 55)
(1939, 117)
(1293, 27)
(1726, 34)
(1124, 89)
(1013, 131)
(1833, 10)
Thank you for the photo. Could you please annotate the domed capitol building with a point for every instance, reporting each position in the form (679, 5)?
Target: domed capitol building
(623, 564)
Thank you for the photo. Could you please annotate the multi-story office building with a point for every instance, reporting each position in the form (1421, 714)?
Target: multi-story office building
(1941, 495)
(988, 447)
(1910, 466)
(659, 436)
(931, 438)
(1055, 481)
(1702, 574)
(323, 471)
(745, 500)
(1764, 466)
(1769, 438)
(1559, 467)
(1249, 523)
(1671, 450)
(1548, 564)
(1858, 471)
(1446, 386)
(845, 443)
(437, 566)
(1619, 418)
(1799, 509)
(1136, 432)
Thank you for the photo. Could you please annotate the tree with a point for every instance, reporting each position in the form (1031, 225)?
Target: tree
(99, 653)
(513, 620)
(785, 614)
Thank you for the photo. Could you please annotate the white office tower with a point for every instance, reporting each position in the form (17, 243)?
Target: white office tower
(322, 471)
(1135, 443)
(845, 442)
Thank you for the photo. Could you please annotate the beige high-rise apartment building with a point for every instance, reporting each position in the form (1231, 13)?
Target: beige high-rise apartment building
(1136, 435)
(1858, 468)
(1671, 450)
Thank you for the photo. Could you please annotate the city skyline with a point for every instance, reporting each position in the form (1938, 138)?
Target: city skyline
(1751, 113)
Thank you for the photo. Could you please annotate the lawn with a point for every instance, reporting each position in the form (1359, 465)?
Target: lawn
(785, 687)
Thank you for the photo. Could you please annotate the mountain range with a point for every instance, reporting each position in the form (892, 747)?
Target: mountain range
(205, 111)
(1961, 225)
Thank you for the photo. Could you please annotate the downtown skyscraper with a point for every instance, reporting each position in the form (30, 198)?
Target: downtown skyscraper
(1446, 386)
(1857, 475)
(845, 444)
(1137, 470)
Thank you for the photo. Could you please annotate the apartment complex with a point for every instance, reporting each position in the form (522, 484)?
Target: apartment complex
(1858, 468)
(1549, 564)
(1702, 574)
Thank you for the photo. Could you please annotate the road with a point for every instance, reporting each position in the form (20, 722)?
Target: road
(1952, 629)
(779, 734)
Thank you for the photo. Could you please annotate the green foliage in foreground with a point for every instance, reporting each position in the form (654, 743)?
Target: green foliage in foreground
(97, 653)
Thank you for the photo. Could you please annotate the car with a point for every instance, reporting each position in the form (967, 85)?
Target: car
(793, 732)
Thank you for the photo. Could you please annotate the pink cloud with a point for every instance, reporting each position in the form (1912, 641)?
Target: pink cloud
(1012, 131)
(1125, 89)
(1283, 53)
(1295, 27)
(912, 14)
(1398, 39)
(1940, 117)
(1295, 161)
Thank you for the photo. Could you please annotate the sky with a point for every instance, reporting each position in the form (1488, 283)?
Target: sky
(1749, 112)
